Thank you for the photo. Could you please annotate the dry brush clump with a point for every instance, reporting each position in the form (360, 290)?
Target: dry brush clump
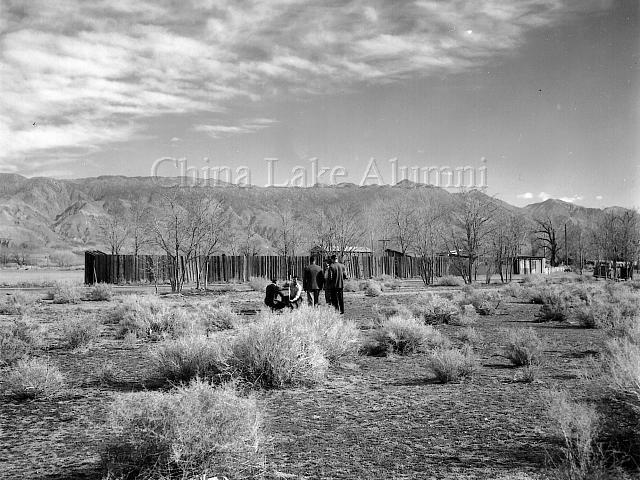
(18, 340)
(195, 431)
(449, 281)
(387, 282)
(465, 317)
(214, 317)
(33, 378)
(435, 309)
(188, 357)
(403, 335)
(150, 317)
(292, 348)
(383, 312)
(485, 302)
(453, 364)
(372, 288)
(470, 336)
(17, 303)
(258, 284)
(100, 292)
(524, 347)
(77, 333)
(66, 292)
(577, 426)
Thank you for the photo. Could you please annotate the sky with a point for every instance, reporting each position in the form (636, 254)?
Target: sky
(540, 98)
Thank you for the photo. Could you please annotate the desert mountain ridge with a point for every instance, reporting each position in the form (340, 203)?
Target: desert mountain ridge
(65, 213)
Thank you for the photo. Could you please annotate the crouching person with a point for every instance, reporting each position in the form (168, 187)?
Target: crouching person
(273, 297)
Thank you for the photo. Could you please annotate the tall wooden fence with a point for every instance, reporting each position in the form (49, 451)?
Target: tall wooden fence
(100, 267)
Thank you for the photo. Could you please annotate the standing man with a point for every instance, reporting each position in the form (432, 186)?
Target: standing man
(312, 282)
(337, 276)
(328, 294)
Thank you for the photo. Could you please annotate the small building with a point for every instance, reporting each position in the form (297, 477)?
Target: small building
(394, 252)
(528, 264)
(351, 250)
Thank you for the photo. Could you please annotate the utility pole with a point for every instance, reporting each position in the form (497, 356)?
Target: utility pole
(566, 253)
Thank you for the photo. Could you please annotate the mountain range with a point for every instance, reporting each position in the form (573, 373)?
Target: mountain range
(64, 214)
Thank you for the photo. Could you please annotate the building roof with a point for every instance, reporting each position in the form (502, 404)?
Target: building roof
(348, 249)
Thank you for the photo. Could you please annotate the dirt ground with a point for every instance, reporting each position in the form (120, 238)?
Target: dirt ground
(372, 418)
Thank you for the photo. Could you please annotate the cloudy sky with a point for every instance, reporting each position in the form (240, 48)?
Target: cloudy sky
(547, 92)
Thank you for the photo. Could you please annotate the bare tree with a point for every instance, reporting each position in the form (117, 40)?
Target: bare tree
(247, 237)
(506, 239)
(186, 225)
(338, 226)
(546, 232)
(114, 230)
(617, 237)
(471, 226)
(426, 240)
(399, 217)
(138, 219)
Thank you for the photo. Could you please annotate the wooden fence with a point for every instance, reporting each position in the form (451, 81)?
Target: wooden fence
(120, 269)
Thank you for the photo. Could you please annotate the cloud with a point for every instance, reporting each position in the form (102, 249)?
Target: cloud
(599, 197)
(574, 198)
(247, 126)
(544, 196)
(100, 72)
(526, 195)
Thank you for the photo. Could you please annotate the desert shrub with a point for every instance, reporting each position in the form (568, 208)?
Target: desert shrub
(33, 378)
(524, 347)
(527, 374)
(622, 363)
(274, 353)
(405, 335)
(214, 317)
(372, 289)
(18, 339)
(351, 285)
(195, 431)
(592, 316)
(101, 292)
(130, 340)
(66, 292)
(577, 426)
(382, 312)
(150, 317)
(17, 303)
(467, 316)
(539, 294)
(452, 364)
(435, 309)
(449, 281)
(78, 333)
(555, 311)
(188, 357)
(336, 336)
(106, 374)
(469, 335)
(387, 282)
(259, 284)
(485, 303)
(534, 279)
(468, 289)
(514, 290)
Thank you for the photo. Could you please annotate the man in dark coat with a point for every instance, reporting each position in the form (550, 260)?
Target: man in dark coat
(337, 276)
(328, 294)
(312, 282)
(273, 298)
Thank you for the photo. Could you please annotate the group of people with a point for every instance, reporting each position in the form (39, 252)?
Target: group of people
(315, 278)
